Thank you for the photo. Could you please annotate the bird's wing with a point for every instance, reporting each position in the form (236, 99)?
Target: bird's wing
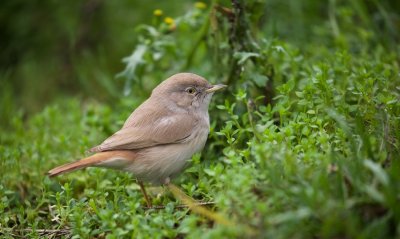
(172, 128)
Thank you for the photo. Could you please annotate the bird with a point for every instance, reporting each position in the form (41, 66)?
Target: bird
(160, 136)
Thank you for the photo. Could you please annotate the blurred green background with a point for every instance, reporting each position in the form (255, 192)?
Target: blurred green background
(50, 49)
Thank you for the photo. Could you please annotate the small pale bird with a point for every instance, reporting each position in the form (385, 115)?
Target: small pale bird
(160, 136)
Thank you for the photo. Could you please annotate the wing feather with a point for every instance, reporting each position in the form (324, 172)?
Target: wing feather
(149, 126)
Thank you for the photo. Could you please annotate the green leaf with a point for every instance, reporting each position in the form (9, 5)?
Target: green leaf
(378, 171)
(260, 80)
(299, 94)
(311, 112)
(132, 62)
(242, 57)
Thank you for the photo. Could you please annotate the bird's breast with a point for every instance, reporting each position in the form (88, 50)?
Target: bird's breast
(198, 138)
(157, 163)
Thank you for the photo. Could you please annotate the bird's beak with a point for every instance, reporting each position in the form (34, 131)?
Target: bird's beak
(215, 88)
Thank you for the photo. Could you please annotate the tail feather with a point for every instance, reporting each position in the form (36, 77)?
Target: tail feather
(92, 160)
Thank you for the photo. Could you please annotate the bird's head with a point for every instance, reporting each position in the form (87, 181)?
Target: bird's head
(186, 90)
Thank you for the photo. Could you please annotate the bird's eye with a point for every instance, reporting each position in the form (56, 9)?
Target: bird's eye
(191, 90)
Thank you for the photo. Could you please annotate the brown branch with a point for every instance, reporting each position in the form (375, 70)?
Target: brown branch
(42, 232)
(181, 206)
(225, 11)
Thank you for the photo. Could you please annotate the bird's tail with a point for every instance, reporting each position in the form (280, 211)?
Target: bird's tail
(108, 158)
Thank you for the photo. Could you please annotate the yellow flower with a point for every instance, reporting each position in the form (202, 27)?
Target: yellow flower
(158, 12)
(200, 5)
(169, 20)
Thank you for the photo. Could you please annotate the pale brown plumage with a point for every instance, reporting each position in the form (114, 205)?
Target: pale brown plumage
(153, 122)
(162, 130)
(160, 135)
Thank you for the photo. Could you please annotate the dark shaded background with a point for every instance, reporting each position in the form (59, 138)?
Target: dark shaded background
(52, 48)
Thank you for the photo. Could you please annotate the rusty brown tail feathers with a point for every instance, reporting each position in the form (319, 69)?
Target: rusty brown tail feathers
(92, 160)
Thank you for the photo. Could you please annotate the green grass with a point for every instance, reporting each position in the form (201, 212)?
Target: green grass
(317, 156)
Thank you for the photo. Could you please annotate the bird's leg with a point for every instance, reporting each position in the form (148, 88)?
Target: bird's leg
(167, 181)
(143, 189)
